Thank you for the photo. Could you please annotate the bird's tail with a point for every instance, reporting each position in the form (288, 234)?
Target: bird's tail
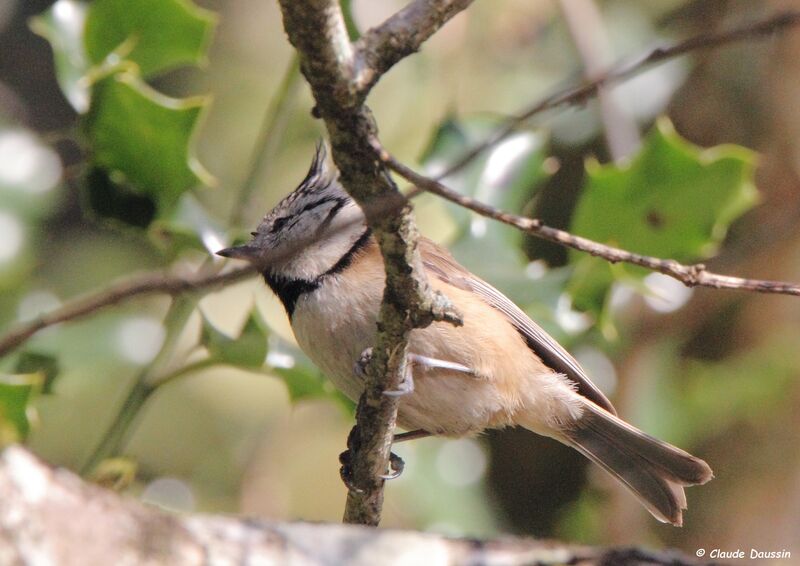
(653, 470)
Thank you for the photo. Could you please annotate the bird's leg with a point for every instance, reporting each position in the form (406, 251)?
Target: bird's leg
(413, 360)
(405, 387)
(410, 435)
(396, 464)
(360, 367)
(427, 363)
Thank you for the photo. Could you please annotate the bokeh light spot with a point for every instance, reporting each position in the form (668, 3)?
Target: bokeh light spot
(461, 462)
(169, 493)
(139, 339)
(668, 294)
(26, 164)
(12, 236)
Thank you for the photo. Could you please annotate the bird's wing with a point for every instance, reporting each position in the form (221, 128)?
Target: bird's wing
(441, 264)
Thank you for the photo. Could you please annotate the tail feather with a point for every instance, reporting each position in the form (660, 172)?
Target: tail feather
(653, 470)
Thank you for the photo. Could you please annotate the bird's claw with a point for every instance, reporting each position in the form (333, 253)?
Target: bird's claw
(396, 467)
(405, 387)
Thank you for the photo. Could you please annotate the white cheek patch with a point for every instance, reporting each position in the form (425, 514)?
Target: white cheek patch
(323, 250)
(349, 215)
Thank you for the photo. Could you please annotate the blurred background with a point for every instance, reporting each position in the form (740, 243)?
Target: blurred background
(715, 372)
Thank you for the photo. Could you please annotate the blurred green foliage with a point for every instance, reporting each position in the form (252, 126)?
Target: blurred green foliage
(248, 350)
(16, 391)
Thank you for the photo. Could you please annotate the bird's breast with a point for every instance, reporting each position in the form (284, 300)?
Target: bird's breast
(335, 323)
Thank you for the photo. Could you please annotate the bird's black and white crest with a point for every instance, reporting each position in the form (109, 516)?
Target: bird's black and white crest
(310, 234)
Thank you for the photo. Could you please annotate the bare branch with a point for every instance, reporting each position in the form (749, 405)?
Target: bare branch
(316, 29)
(399, 36)
(151, 284)
(46, 514)
(581, 93)
(690, 275)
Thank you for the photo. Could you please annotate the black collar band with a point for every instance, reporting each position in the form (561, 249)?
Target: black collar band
(290, 290)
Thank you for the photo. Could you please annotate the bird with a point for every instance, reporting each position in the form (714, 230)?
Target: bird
(498, 369)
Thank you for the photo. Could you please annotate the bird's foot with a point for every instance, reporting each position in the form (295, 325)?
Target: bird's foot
(396, 467)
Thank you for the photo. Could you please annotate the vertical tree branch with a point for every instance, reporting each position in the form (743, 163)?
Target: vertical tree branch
(328, 60)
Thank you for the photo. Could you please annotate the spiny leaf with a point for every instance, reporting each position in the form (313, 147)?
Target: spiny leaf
(302, 378)
(673, 200)
(164, 34)
(190, 225)
(144, 137)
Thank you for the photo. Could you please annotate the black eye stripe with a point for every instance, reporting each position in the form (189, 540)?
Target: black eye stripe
(283, 222)
(320, 202)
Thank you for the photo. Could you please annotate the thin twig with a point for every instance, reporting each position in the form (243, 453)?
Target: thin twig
(151, 284)
(579, 94)
(695, 275)
(399, 36)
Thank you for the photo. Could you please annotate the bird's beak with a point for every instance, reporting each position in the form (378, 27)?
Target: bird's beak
(246, 252)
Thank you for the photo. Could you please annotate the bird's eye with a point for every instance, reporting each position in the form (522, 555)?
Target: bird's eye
(279, 223)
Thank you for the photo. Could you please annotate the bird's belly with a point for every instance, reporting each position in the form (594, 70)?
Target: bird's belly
(334, 325)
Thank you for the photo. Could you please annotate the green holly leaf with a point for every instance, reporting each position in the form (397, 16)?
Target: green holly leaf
(62, 25)
(303, 382)
(15, 393)
(673, 200)
(143, 138)
(248, 350)
(159, 34)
